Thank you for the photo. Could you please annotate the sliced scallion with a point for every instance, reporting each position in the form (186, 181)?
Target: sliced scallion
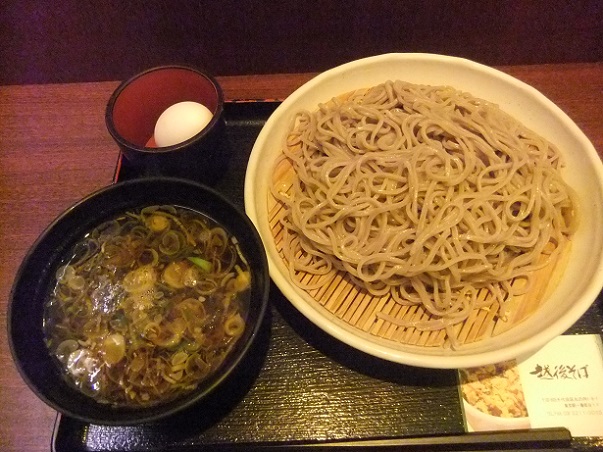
(201, 263)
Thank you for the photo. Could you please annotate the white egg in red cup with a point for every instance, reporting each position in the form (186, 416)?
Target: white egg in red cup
(167, 121)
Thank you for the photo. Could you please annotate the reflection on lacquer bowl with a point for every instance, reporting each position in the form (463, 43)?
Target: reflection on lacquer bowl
(371, 319)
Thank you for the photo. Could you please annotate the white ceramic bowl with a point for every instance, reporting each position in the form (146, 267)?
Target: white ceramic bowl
(583, 277)
(481, 422)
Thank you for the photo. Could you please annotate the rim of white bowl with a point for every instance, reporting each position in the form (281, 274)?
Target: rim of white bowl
(403, 354)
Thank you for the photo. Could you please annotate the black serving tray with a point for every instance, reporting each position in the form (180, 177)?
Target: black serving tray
(300, 388)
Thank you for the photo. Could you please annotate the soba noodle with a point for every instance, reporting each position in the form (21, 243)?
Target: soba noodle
(422, 193)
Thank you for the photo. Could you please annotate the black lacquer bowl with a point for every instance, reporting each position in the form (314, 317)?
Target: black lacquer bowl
(35, 279)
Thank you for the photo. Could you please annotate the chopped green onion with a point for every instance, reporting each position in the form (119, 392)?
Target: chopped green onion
(201, 263)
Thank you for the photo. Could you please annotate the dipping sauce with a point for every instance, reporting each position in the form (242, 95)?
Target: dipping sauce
(147, 306)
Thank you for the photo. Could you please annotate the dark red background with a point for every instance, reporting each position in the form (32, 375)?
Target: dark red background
(73, 40)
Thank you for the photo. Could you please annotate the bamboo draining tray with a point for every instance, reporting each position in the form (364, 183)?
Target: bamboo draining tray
(358, 309)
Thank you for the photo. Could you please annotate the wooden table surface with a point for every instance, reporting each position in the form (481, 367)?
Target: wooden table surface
(55, 149)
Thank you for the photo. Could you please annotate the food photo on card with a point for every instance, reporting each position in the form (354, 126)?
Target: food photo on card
(561, 385)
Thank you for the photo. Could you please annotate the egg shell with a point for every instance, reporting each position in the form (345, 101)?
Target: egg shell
(180, 122)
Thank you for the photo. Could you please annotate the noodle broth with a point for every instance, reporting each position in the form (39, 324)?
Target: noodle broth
(420, 214)
(148, 305)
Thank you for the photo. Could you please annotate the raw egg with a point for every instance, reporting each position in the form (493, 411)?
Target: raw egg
(180, 122)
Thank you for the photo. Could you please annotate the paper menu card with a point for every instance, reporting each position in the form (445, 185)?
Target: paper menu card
(561, 385)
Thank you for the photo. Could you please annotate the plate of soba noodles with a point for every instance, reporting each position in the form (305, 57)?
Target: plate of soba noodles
(429, 210)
